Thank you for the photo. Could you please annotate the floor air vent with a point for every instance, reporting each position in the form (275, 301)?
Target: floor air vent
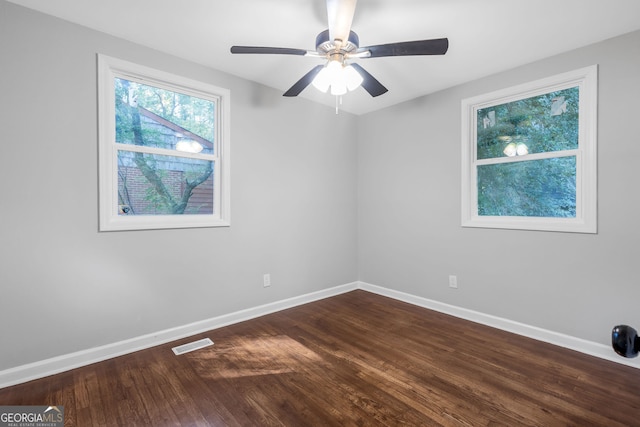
(196, 345)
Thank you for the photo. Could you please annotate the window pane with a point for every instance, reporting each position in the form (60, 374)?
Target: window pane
(537, 188)
(150, 184)
(539, 124)
(154, 117)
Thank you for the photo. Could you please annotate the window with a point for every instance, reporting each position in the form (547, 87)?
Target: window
(163, 149)
(529, 155)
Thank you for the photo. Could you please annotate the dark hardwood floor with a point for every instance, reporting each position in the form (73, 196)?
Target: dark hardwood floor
(356, 359)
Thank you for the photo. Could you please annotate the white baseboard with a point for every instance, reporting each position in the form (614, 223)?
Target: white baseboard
(588, 347)
(55, 365)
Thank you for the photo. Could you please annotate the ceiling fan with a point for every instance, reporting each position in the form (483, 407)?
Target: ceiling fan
(339, 44)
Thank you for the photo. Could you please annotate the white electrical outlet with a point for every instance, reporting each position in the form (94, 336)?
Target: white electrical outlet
(266, 280)
(453, 282)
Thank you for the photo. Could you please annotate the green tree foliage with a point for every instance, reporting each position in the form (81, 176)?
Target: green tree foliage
(190, 113)
(525, 187)
(530, 120)
(537, 188)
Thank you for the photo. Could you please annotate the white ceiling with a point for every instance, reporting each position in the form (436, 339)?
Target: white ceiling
(485, 37)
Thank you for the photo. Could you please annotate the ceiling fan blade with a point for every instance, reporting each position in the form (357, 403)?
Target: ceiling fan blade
(418, 47)
(340, 16)
(369, 83)
(305, 81)
(268, 50)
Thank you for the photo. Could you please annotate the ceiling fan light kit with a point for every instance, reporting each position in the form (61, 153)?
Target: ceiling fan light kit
(338, 77)
(339, 44)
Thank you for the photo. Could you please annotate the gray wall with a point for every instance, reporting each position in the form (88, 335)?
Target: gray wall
(410, 238)
(65, 287)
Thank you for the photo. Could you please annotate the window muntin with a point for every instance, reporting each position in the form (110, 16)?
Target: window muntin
(529, 155)
(163, 149)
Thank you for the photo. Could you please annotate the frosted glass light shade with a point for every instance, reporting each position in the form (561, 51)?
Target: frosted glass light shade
(353, 78)
(321, 81)
(189, 146)
(510, 150)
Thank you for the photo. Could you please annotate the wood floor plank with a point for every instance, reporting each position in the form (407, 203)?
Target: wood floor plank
(357, 359)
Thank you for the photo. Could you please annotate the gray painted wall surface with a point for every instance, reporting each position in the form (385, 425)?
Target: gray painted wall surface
(410, 238)
(66, 287)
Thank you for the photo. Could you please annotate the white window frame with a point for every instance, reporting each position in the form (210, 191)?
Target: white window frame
(109, 69)
(585, 220)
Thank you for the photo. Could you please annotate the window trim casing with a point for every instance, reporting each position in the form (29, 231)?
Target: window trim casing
(110, 68)
(585, 220)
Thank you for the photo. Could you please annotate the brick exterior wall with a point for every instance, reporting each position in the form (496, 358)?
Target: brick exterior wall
(138, 195)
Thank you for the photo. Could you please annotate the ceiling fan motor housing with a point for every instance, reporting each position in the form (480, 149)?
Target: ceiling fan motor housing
(326, 46)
